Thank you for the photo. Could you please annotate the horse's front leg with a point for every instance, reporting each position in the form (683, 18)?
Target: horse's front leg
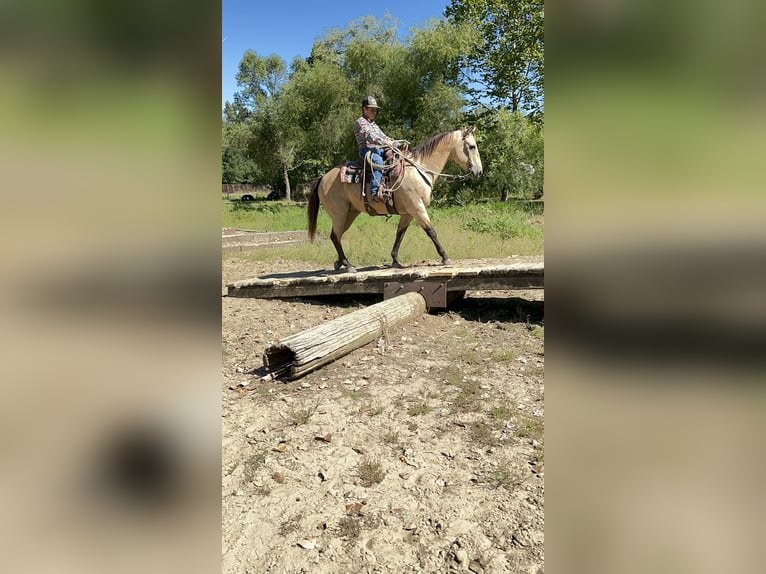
(404, 223)
(421, 215)
(431, 232)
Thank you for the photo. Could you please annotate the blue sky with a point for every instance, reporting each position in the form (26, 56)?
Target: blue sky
(290, 27)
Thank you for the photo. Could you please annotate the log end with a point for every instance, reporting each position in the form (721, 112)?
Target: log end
(279, 360)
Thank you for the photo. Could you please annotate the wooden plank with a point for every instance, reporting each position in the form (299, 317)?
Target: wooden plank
(462, 276)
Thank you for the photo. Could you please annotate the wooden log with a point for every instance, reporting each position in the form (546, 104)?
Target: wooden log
(298, 354)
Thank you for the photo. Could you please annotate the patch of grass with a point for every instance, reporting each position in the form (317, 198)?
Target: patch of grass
(468, 232)
(392, 438)
(503, 412)
(463, 333)
(252, 464)
(370, 472)
(504, 222)
(469, 396)
(469, 357)
(503, 356)
(504, 476)
(451, 374)
(266, 215)
(298, 417)
(353, 394)
(528, 426)
(371, 409)
(482, 434)
(419, 409)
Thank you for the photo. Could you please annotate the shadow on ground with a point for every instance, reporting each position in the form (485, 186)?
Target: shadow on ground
(481, 309)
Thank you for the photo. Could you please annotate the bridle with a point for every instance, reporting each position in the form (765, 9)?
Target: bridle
(466, 151)
(423, 170)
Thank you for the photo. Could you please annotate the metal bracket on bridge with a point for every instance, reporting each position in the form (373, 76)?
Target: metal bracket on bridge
(433, 292)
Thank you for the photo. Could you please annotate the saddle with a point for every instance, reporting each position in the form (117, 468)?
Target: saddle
(360, 171)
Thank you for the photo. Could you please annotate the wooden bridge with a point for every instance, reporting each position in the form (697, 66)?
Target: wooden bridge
(437, 283)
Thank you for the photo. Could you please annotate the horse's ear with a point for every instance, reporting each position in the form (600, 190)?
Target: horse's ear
(468, 131)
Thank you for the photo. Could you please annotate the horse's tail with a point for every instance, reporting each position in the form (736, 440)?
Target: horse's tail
(313, 209)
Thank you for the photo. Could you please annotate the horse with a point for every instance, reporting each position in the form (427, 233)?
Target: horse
(411, 196)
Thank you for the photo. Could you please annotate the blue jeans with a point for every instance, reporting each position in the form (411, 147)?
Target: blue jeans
(377, 158)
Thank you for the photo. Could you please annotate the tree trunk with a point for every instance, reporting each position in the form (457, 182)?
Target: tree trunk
(296, 355)
(288, 193)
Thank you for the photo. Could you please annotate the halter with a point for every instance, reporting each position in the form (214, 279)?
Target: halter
(422, 170)
(465, 151)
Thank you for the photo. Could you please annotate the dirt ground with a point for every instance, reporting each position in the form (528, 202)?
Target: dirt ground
(422, 452)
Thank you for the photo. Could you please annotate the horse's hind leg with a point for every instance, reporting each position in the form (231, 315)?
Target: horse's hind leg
(335, 237)
(404, 223)
(342, 261)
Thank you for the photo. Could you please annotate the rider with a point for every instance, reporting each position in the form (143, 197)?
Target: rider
(371, 138)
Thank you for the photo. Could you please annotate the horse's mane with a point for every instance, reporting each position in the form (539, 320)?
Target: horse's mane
(427, 148)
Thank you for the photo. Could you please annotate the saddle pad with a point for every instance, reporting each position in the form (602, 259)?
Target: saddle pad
(351, 172)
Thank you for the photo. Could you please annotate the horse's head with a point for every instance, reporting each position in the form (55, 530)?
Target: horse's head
(466, 153)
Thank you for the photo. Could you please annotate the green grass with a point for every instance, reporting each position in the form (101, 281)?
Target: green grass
(528, 426)
(451, 374)
(298, 417)
(504, 476)
(503, 412)
(503, 356)
(266, 215)
(469, 396)
(467, 232)
(419, 409)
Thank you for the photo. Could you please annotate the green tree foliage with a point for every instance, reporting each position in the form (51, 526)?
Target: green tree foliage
(294, 123)
(512, 148)
(423, 93)
(261, 80)
(237, 164)
(507, 66)
(274, 141)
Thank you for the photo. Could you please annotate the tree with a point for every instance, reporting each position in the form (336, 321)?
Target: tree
(512, 148)
(236, 164)
(507, 66)
(297, 122)
(423, 93)
(273, 142)
(261, 79)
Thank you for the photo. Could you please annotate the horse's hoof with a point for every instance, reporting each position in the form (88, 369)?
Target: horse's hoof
(397, 265)
(350, 269)
(447, 261)
(337, 265)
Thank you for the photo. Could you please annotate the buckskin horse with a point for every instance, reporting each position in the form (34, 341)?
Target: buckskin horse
(411, 195)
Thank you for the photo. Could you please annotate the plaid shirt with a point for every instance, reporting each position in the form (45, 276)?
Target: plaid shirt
(368, 134)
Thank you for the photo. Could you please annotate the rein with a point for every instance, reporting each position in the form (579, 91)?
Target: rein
(422, 170)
